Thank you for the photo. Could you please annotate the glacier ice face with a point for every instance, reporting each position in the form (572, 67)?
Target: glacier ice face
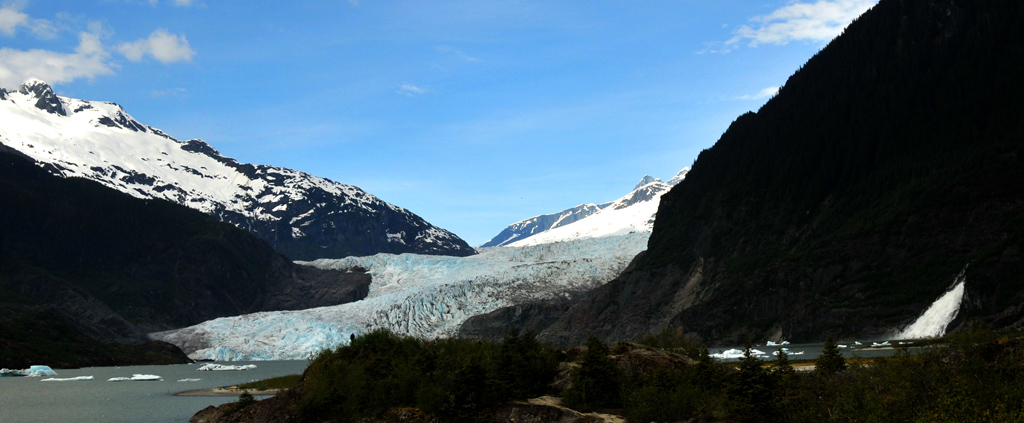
(418, 295)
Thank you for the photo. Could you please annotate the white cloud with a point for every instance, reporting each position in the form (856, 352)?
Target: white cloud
(457, 52)
(411, 90)
(170, 92)
(88, 61)
(163, 46)
(819, 21)
(11, 18)
(765, 93)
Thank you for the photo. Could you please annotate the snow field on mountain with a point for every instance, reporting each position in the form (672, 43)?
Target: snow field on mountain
(419, 295)
(616, 219)
(99, 141)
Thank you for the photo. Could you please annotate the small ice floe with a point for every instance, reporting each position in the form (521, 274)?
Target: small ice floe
(222, 367)
(841, 346)
(784, 343)
(136, 378)
(67, 379)
(190, 379)
(736, 353)
(770, 344)
(856, 343)
(728, 354)
(788, 352)
(883, 344)
(32, 371)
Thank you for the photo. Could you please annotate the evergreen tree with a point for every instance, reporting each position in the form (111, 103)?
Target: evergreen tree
(831, 360)
(782, 369)
(596, 383)
(753, 389)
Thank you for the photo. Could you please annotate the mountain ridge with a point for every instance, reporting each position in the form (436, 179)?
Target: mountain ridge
(301, 215)
(519, 233)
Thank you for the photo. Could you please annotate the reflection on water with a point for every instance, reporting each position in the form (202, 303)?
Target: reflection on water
(30, 400)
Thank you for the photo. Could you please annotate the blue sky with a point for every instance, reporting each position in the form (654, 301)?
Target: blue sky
(472, 114)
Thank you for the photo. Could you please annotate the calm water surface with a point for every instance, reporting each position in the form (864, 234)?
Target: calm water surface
(27, 400)
(812, 351)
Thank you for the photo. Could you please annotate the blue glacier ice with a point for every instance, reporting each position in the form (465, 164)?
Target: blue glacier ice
(419, 295)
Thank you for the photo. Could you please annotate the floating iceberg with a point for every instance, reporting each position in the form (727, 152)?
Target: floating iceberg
(214, 367)
(770, 344)
(736, 353)
(136, 378)
(788, 352)
(33, 371)
(880, 344)
(190, 379)
(842, 346)
(67, 379)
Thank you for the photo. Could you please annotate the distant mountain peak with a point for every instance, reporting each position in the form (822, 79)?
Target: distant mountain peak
(47, 99)
(36, 86)
(679, 177)
(647, 179)
(301, 215)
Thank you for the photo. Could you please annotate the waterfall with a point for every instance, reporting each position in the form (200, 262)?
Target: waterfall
(933, 322)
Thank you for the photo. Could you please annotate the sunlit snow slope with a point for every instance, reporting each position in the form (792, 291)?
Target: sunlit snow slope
(423, 296)
(299, 214)
(634, 212)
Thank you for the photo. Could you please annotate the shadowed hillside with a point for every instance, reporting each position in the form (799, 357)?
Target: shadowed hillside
(117, 267)
(890, 161)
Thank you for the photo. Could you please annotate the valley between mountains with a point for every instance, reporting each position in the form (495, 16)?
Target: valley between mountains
(886, 171)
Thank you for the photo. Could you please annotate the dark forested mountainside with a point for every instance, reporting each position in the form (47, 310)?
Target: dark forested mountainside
(890, 161)
(117, 267)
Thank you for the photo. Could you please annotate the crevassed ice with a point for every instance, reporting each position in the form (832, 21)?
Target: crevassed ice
(418, 295)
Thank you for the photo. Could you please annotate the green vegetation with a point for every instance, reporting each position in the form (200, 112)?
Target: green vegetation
(283, 382)
(596, 384)
(456, 380)
(972, 377)
(831, 360)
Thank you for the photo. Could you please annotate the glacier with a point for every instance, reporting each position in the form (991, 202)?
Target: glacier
(419, 295)
(934, 321)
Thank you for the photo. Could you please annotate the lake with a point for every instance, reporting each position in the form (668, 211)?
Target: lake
(26, 400)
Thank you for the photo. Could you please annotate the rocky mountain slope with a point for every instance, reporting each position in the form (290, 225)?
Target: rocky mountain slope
(300, 215)
(115, 267)
(848, 203)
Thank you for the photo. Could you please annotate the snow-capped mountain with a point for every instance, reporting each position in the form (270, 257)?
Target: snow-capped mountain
(419, 295)
(537, 224)
(632, 213)
(301, 215)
